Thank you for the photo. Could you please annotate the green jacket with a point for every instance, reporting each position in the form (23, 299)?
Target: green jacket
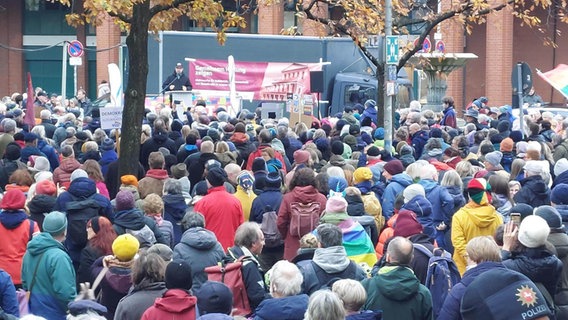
(54, 285)
(398, 293)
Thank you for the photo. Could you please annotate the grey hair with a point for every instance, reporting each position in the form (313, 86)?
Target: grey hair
(39, 130)
(324, 305)
(172, 186)
(329, 235)
(247, 234)
(286, 279)
(452, 178)
(192, 219)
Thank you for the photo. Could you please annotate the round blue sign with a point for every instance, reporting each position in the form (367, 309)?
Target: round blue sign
(75, 48)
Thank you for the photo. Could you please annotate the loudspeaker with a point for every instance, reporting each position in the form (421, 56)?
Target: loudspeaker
(316, 81)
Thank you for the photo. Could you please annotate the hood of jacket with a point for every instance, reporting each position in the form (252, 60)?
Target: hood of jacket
(286, 308)
(560, 242)
(160, 137)
(305, 194)
(12, 219)
(419, 205)
(536, 185)
(130, 219)
(174, 204)
(82, 188)
(472, 273)
(199, 238)
(43, 242)
(428, 185)
(69, 165)
(332, 259)
(355, 205)
(402, 178)
(160, 174)
(239, 138)
(397, 283)
(481, 216)
(337, 161)
(41, 203)
(176, 300)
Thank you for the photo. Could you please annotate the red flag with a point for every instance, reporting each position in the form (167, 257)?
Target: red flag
(29, 118)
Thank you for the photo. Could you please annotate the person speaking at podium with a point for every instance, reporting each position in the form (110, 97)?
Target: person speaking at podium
(177, 81)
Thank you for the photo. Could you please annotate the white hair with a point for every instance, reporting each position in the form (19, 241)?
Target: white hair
(415, 106)
(334, 171)
(286, 279)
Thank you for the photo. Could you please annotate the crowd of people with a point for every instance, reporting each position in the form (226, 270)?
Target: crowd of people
(323, 221)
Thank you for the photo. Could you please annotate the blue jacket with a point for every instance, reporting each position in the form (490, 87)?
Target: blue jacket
(561, 178)
(441, 200)
(287, 308)
(107, 158)
(49, 152)
(451, 307)
(370, 112)
(83, 188)
(8, 300)
(423, 211)
(397, 184)
(269, 197)
(174, 210)
(54, 285)
(419, 140)
(29, 151)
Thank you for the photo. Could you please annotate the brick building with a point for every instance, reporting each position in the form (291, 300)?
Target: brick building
(38, 24)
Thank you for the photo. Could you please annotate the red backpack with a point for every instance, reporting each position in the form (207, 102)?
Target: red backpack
(231, 275)
(304, 217)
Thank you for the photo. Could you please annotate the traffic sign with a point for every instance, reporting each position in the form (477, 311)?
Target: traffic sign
(440, 46)
(392, 50)
(426, 45)
(75, 48)
(75, 61)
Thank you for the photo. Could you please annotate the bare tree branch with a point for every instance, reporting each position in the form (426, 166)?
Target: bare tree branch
(120, 16)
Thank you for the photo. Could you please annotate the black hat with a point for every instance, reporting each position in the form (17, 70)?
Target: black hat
(354, 129)
(337, 147)
(273, 180)
(214, 297)
(501, 293)
(259, 164)
(216, 176)
(179, 65)
(524, 209)
(13, 152)
(373, 152)
(30, 137)
(178, 275)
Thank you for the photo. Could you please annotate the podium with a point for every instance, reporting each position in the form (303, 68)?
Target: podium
(180, 96)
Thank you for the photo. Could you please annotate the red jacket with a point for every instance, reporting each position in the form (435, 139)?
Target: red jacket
(258, 154)
(298, 194)
(13, 254)
(176, 304)
(62, 174)
(223, 214)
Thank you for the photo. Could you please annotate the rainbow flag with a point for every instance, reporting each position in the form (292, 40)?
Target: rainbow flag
(357, 243)
(558, 78)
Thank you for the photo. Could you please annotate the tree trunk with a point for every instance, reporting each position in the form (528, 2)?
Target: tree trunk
(135, 94)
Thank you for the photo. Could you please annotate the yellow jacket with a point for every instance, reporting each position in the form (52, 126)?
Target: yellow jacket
(246, 199)
(469, 222)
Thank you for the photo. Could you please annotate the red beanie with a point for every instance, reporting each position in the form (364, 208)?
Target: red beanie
(406, 224)
(14, 199)
(46, 187)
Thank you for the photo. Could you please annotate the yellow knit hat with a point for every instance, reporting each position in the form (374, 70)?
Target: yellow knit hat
(125, 247)
(362, 174)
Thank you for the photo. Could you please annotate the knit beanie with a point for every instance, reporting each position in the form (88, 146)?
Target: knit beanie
(12, 152)
(129, 180)
(394, 167)
(550, 215)
(560, 166)
(216, 176)
(301, 156)
(273, 180)
(379, 133)
(337, 184)
(494, 158)
(507, 145)
(41, 164)
(259, 164)
(479, 191)
(54, 223)
(533, 231)
(362, 174)
(214, 297)
(178, 275)
(412, 191)
(337, 147)
(559, 194)
(351, 141)
(79, 173)
(107, 144)
(501, 293)
(336, 204)
(406, 224)
(124, 200)
(13, 200)
(245, 180)
(46, 187)
(125, 247)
